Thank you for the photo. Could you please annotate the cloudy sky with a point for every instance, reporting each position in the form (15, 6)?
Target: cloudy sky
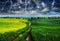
(8, 3)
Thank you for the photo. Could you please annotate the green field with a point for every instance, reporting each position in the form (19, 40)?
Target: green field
(45, 29)
(14, 29)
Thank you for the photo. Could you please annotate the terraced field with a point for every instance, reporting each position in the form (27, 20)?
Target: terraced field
(45, 30)
(14, 29)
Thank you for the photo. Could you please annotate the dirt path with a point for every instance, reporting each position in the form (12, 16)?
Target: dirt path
(28, 38)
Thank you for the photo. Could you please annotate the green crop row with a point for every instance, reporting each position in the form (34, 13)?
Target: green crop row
(45, 30)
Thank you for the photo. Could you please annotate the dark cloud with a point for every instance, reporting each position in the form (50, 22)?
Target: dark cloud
(32, 3)
(8, 0)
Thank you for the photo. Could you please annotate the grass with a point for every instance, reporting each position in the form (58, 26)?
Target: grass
(45, 30)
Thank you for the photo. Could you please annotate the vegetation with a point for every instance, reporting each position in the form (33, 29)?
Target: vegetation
(14, 29)
(45, 29)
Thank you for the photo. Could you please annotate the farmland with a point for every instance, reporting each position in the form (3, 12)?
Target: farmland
(14, 29)
(45, 29)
